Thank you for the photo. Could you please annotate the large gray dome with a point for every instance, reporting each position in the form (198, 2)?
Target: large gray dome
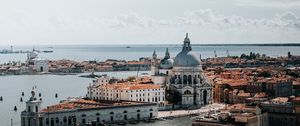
(187, 59)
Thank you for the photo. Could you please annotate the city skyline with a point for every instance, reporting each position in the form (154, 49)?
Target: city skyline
(149, 22)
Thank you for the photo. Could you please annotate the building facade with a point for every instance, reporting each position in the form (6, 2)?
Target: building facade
(81, 112)
(37, 64)
(146, 91)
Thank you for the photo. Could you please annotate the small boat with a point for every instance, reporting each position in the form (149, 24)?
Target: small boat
(21, 99)
(128, 47)
(144, 73)
(122, 123)
(152, 120)
(15, 109)
(47, 51)
(133, 122)
(92, 75)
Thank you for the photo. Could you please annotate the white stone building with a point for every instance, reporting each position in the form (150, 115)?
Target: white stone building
(142, 91)
(184, 75)
(36, 63)
(80, 112)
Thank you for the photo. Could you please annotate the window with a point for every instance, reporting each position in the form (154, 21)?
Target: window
(36, 109)
(83, 121)
(111, 118)
(65, 119)
(56, 120)
(138, 116)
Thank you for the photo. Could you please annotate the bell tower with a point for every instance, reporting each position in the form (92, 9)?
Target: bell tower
(30, 116)
(154, 64)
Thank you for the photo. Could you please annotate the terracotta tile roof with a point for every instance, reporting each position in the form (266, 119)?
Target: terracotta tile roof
(132, 86)
(280, 100)
(135, 62)
(242, 94)
(260, 95)
(86, 104)
(233, 82)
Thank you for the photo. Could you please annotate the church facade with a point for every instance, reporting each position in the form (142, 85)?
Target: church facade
(183, 77)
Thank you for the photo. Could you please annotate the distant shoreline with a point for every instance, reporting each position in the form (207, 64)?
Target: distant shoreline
(135, 45)
(272, 44)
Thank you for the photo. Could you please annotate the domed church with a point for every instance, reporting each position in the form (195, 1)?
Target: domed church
(182, 77)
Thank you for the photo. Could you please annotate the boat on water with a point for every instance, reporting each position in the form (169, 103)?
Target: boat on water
(92, 75)
(48, 51)
(144, 73)
(128, 47)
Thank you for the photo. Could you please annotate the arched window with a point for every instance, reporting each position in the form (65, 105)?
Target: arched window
(184, 79)
(187, 92)
(56, 120)
(83, 115)
(151, 109)
(138, 111)
(111, 112)
(97, 114)
(125, 111)
(52, 122)
(65, 119)
(190, 79)
(47, 120)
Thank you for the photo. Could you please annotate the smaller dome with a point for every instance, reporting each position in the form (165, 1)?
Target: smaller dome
(166, 63)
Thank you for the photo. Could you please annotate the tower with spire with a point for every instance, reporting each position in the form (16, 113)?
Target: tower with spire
(30, 116)
(154, 64)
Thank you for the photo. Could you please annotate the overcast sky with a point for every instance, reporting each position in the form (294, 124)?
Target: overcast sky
(30, 22)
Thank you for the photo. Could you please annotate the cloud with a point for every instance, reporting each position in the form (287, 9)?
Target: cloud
(268, 3)
(209, 25)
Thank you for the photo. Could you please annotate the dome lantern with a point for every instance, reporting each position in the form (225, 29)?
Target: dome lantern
(187, 58)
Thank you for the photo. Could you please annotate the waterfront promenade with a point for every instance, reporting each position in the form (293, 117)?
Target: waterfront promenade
(180, 113)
